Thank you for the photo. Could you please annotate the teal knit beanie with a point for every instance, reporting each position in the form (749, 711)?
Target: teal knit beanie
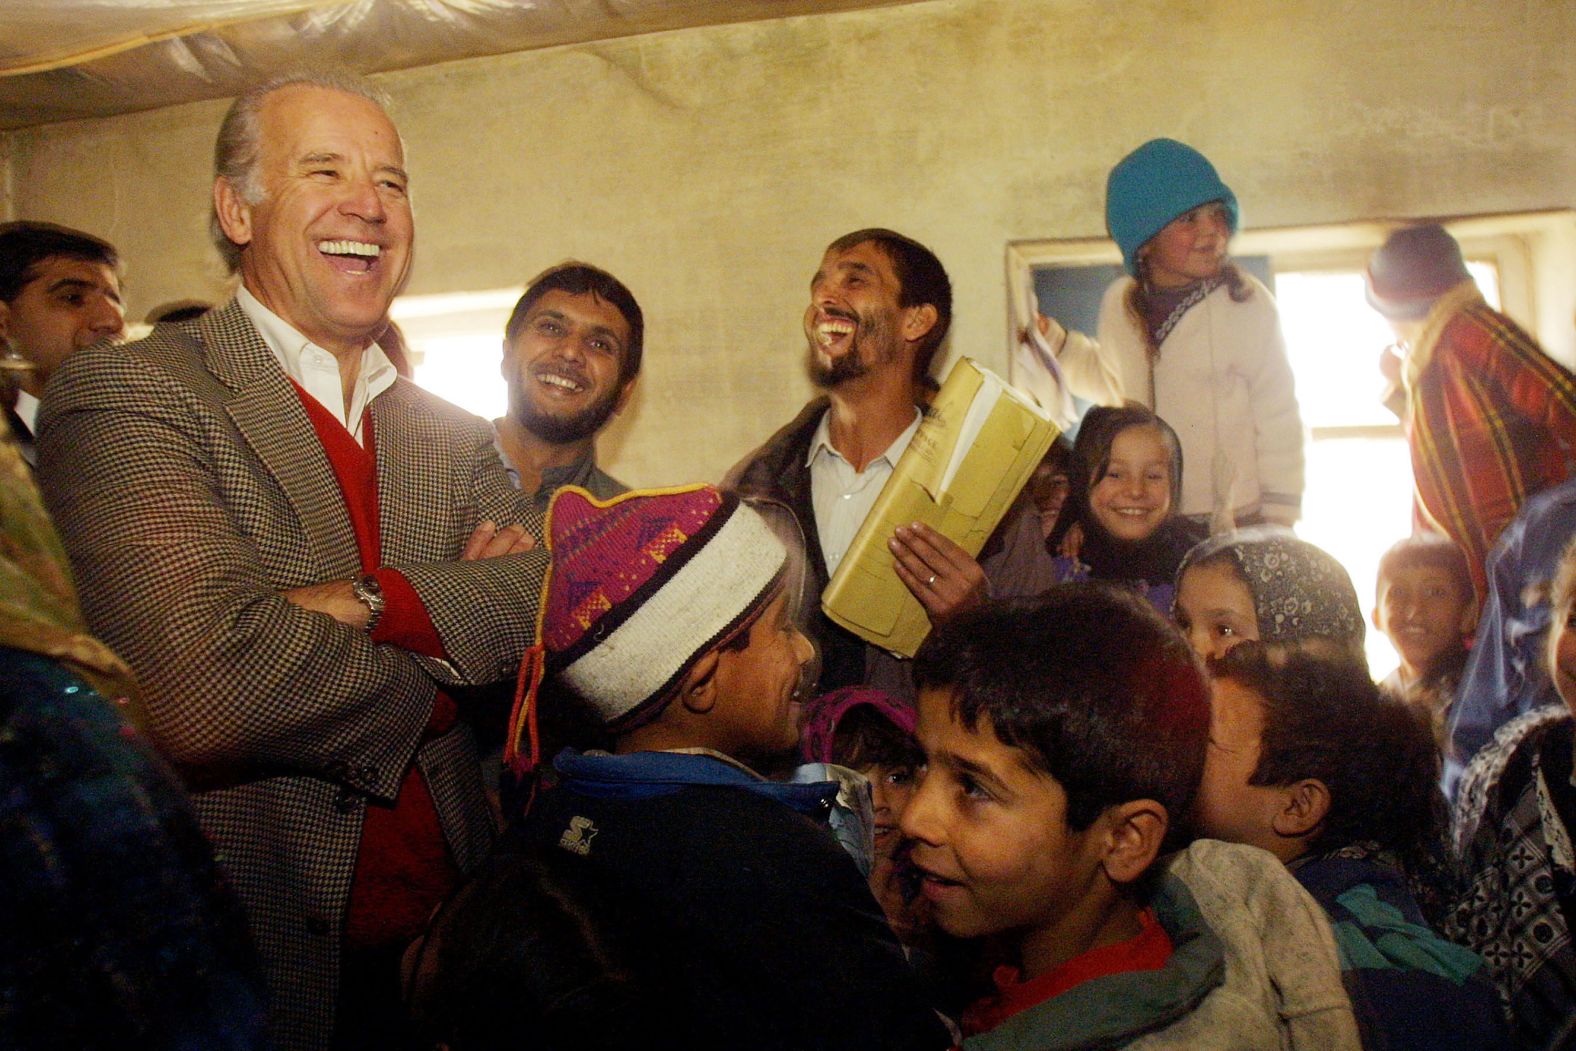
(1154, 184)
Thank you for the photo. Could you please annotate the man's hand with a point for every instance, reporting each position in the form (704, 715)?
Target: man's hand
(338, 600)
(334, 598)
(943, 576)
(489, 541)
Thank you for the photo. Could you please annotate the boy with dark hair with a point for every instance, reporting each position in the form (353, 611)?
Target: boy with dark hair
(666, 617)
(1424, 605)
(1061, 736)
(1309, 761)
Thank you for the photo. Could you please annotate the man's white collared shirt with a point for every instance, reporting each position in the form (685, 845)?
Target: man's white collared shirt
(841, 496)
(316, 370)
(27, 410)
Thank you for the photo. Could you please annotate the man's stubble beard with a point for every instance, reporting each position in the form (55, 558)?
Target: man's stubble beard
(561, 430)
(872, 332)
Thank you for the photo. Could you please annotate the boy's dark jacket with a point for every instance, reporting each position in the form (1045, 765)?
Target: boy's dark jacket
(1411, 989)
(757, 916)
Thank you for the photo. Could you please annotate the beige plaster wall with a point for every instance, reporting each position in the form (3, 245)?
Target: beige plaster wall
(709, 167)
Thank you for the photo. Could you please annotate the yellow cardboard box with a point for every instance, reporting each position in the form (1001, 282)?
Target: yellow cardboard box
(973, 453)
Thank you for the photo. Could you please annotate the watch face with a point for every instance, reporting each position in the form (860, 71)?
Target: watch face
(370, 594)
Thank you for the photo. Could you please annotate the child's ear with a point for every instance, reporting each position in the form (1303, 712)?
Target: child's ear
(1306, 804)
(1374, 616)
(698, 691)
(1135, 830)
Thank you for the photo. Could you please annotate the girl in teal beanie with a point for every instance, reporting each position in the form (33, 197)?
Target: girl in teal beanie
(1194, 338)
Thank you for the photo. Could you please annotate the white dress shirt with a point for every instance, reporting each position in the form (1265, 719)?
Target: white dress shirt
(316, 370)
(841, 496)
(27, 410)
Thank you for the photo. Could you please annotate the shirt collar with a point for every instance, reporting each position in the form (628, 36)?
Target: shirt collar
(822, 439)
(27, 410)
(289, 347)
(576, 473)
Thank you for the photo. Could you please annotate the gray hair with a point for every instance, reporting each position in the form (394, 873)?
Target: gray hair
(235, 152)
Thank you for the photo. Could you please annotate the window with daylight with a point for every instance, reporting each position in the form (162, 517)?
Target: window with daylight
(456, 343)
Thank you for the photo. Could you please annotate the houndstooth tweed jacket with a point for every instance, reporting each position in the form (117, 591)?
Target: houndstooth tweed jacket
(190, 489)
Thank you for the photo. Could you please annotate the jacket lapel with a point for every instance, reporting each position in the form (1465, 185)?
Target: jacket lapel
(268, 413)
(415, 464)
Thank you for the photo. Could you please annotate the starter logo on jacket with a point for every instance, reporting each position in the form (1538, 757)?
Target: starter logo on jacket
(577, 837)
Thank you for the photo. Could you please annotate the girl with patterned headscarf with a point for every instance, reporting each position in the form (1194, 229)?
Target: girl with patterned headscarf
(1265, 583)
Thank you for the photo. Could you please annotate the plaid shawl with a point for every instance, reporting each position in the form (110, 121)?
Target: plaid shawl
(1491, 420)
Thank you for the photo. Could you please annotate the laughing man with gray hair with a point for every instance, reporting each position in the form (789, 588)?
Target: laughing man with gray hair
(298, 552)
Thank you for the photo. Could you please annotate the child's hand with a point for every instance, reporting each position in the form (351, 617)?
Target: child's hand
(1049, 329)
(941, 575)
(1390, 364)
(1072, 541)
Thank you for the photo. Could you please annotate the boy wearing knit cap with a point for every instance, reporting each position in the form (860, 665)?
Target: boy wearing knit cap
(1490, 417)
(665, 617)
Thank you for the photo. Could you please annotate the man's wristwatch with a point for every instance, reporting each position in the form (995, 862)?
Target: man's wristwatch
(370, 594)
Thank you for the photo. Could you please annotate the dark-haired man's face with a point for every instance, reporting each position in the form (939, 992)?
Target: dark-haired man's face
(853, 322)
(68, 305)
(563, 366)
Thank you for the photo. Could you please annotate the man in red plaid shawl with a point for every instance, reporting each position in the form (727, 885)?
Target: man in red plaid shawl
(1490, 417)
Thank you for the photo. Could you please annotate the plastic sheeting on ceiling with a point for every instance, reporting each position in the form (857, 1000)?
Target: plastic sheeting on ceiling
(69, 59)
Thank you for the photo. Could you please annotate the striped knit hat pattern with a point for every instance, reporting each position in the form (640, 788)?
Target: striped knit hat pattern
(644, 585)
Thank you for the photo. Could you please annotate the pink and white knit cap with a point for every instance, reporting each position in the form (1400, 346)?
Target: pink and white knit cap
(644, 585)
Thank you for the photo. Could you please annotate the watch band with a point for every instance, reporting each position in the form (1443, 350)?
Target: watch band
(370, 594)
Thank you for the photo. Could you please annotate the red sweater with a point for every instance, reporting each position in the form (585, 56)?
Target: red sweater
(404, 868)
(1148, 950)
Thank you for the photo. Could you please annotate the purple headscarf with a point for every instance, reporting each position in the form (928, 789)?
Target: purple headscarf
(822, 715)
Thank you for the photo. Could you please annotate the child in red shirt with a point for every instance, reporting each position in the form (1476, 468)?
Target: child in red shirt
(1060, 737)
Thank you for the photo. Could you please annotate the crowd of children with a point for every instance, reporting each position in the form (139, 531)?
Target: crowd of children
(1162, 805)
(1098, 826)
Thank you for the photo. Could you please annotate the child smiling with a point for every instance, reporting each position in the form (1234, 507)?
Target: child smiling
(1060, 737)
(1126, 473)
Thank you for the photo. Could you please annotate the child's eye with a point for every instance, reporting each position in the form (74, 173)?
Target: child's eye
(972, 789)
(902, 775)
(1225, 631)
